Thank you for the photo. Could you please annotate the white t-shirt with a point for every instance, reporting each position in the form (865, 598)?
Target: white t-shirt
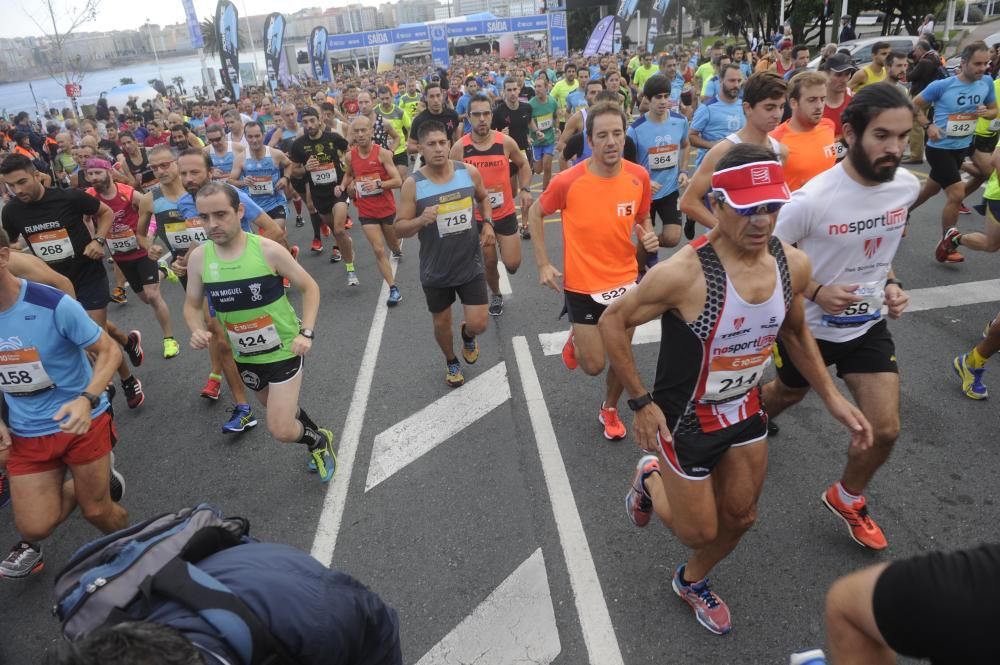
(850, 233)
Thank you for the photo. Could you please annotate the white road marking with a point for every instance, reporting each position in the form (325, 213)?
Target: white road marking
(505, 289)
(921, 300)
(332, 514)
(409, 439)
(595, 621)
(515, 624)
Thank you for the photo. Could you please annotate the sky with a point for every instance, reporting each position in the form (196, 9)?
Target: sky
(122, 14)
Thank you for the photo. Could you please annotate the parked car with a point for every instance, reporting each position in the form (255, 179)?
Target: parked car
(861, 49)
(953, 62)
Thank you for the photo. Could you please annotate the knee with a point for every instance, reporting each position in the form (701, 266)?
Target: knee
(590, 365)
(886, 434)
(697, 536)
(284, 429)
(379, 251)
(512, 266)
(838, 599)
(96, 512)
(739, 519)
(36, 527)
(475, 325)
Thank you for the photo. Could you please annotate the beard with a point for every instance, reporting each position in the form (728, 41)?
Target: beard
(882, 170)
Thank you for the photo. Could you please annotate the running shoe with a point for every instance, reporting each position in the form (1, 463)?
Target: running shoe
(454, 376)
(569, 352)
(496, 305)
(972, 379)
(325, 230)
(134, 396)
(525, 233)
(688, 228)
(859, 523)
(298, 222)
(394, 296)
(170, 348)
(119, 295)
(212, 389)
(4, 490)
(323, 458)
(317, 246)
(614, 428)
(710, 611)
(22, 561)
(948, 247)
(349, 224)
(470, 349)
(170, 275)
(133, 347)
(964, 210)
(638, 504)
(242, 419)
(335, 255)
(352, 278)
(397, 253)
(811, 657)
(116, 486)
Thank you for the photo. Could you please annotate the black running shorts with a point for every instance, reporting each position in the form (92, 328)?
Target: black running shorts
(258, 376)
(946, 165)
(666, 209)
(505, 226)
(870, 353)
(140, 272)
(470, 293)
(694, 456)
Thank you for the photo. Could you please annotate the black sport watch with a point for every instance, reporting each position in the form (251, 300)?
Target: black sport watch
(639, 402)
(306, 332)
(95, 400)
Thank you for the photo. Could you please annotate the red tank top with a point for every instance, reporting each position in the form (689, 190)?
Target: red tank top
(781, 69)
(122, 240)
(494, 166)
(372, 201)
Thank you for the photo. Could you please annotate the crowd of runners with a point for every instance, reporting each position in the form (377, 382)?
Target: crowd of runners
(786, 182)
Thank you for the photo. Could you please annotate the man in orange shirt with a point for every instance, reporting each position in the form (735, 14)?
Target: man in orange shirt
(604, 201)
(808, 135)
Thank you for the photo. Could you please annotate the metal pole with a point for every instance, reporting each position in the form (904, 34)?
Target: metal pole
(949, 22)
(350, 26)
(965, 16)
(253, 49)
(156, 56)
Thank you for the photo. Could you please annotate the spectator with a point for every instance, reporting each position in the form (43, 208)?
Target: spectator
(925, 69)
(846, 31)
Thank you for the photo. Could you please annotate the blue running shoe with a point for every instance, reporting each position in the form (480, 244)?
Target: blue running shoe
(242, 420)
(811, 657)
(394, 296)
(710, 611)
(972, 379)
(323, 460)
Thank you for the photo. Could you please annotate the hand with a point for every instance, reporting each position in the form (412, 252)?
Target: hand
(526, 198)
(549, 276)
(933, 132)
(853, 419)
(217, 174)
(5, 443)
(155, 252)
(683, 179)
(338, 191)
(646, 423)
(76, 414)
(648, 239)
(981, 110)
(179, 266)
(200, 339)
(301, 345)
(429, 215)
(487, 237)
(655, 186)
(539, 134)
(896, 299)
(94, 250)
(312, 163)
(835, 298)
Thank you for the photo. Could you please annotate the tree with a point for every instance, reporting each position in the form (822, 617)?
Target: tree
(64, 22)
(211, 35)
(126, 80)
(580, 23)
(178, 82)
(157, 84)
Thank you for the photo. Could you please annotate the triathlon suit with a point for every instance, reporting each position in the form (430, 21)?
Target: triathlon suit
(223, 162)
(494, 166)
(708, 371)
(598, 215)
(451, 259)
(142, 172)
(264, 176)
(809, 153)
(250, 304)
(375, 205)
(128, 255)
(834, 115)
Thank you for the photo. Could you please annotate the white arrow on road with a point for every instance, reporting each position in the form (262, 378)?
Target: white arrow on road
(408, 440)
(515, 624)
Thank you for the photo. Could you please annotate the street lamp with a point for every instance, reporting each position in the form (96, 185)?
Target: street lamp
(156, 56)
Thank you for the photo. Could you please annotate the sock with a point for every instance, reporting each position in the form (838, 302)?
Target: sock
(306, 421)
(465, 337)
(128, 379)
(974, 359)
(298, 206)
(315, 221)
(311, 438)
(349, 267)
(217, 377)
(170, 337)
(846, 496)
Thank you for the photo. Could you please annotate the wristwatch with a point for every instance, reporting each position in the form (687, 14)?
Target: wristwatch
(639, 402)
(489, 221)
(94, 400)
(100, 241)
(306, 332)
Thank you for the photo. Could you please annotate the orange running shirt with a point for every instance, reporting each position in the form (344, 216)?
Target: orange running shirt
(598, 216)
(809, 153)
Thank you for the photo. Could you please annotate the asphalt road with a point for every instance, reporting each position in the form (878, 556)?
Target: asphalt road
(498, 507)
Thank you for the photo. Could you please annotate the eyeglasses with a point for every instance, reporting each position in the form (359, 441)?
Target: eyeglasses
(766, 208)
(161, 167)
(480, 114)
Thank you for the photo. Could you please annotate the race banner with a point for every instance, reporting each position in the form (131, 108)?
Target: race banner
(660, 8)
(274, 41)
(626, 10)
(194, 28)
(227, 37)
(439, 44)
(652, 32)
(558, 39)
(319, 63)
(616, 44)
(600, 38)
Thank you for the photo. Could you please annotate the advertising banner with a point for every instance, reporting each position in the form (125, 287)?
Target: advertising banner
(558, 38)
(660, 8)
(438, 34)
(274, 41)
(319, 63)
(600, 38)
(227, 37)
(194, 28)
(652, 32)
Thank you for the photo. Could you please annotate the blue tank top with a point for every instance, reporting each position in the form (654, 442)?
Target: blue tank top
(225, 162)
(449, 249)
(264, 191)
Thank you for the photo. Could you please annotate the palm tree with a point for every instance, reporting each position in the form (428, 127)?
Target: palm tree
(126, 80)
(179, 82)
(211, 35)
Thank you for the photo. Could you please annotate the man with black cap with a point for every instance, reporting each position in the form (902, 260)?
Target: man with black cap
(721, 301)
(839, 69)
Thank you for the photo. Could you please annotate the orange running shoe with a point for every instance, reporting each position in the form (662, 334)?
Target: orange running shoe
(317, 246)
(569, 352)
(859, 523)
(614, 428)
(325, 230)
(349, 224)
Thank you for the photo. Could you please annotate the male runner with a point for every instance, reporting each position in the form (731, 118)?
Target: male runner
(543, 115)
(52, 223)
(562, 88)
(958, 101)
(372, 172)
(438, 112)
(704, 422)
(384, 134)
(410, 100)
(57, 415)
(319, 153)
(838, 68)
(495, 155)
(436, 205)
(137, 161)
(142, 273)
(849, 221)
(400, 120)
(513, 118)
(808, 135)
(282, 140)
(234, 125)
(604, 201)
(874, 72)
(260, 171)
(713, 122)
(578, 121)
(222, 152)
(241, 274)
